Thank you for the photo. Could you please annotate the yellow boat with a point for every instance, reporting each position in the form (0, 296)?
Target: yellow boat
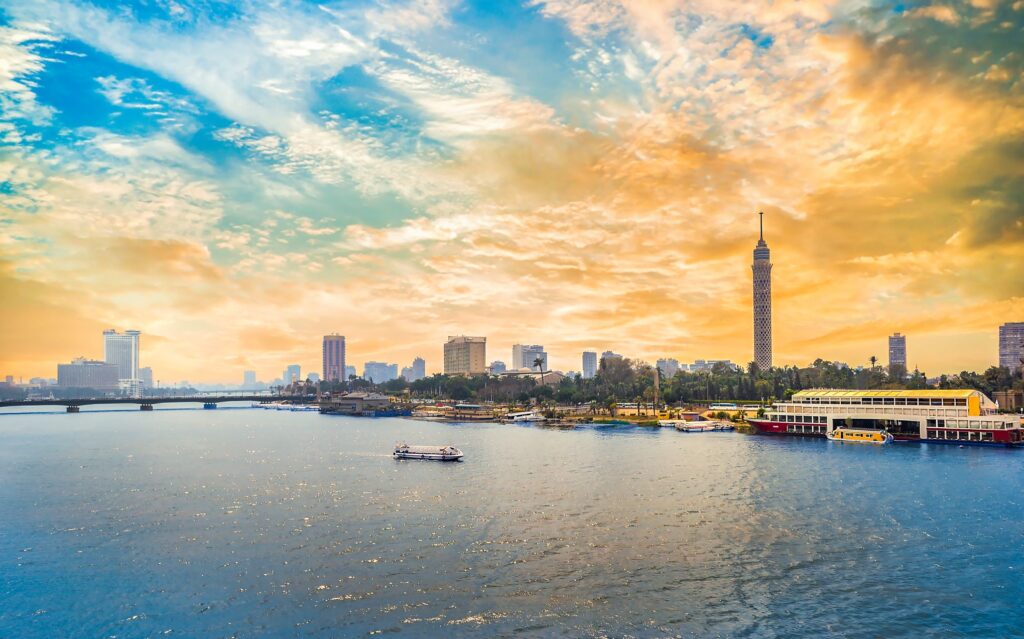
(860, 436)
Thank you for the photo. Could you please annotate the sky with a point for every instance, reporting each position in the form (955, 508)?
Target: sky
(237, 179)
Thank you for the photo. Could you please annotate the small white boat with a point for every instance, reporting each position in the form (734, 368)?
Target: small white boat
(435, 453)
(525, 417)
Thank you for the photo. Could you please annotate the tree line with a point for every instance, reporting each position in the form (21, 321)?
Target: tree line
(625, 380)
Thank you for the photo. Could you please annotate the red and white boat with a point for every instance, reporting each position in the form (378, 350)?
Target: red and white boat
(935, 416)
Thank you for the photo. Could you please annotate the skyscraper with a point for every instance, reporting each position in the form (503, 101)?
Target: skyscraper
(668, 367)
(1011, 345)
(146, 376)
(122, 350)
(465, 355)
(589, 364)
(249, 379)
(898, 351)
(524, 355)
(334, 357)
(762, 268)
(419, 369)
(380, 372)
(292, 374)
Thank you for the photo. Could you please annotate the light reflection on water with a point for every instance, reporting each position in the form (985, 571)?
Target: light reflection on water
(264, 523)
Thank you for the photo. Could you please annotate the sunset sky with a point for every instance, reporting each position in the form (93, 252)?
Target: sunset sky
(236, 179)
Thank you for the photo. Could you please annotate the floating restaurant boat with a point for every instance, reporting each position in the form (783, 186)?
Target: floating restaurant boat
(942, 416)
(434, 453)
(860, 436)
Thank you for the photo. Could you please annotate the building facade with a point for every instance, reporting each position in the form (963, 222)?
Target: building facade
(1011, 345)
(334, 358)
(89, 373)
(497, 367)
(292, 374)
(897, 351)
(122, 350)
(418, 370)
(762, 268)
(350, 372)
(380, 372)
(668, 367)
(465, 355)
(589, 364)
(249, 379)
(146, 377)
(524, 356)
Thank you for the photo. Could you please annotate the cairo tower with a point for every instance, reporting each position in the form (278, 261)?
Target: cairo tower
(762, 268)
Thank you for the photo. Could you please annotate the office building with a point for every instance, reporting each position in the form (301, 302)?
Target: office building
(417, 371)
(350, 372)
(249, 379)
(610, 355)
(146, 376)
(497, 367)
(1011, 345)
(589, 364)
(88, 373)
(898, 351)
(334, 358)
(380, 372)
(762, 268)
(668, 367)
(292, 374)
(122, 350)
(465, 355)
(524, 356)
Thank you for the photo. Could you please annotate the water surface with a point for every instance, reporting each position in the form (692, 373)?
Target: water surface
(253, 523)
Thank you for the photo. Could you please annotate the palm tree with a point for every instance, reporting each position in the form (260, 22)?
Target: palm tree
(539, 363)
(873, 360)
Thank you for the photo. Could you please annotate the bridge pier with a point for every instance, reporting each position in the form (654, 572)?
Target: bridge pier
(210, 405)
(145, 407)
(72, 409)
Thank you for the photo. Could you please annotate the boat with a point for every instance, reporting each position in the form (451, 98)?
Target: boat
(702, 426)
(860, 436)
(934, 416)
(525, 417)
(435, 453)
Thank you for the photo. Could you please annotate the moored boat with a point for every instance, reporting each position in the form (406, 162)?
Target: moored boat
(941, 416)
(433, 453)
(860, 436)
(525, 417)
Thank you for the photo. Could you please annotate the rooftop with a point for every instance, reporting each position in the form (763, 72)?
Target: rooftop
(926, 393)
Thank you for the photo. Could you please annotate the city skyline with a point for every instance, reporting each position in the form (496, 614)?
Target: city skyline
(233, 183)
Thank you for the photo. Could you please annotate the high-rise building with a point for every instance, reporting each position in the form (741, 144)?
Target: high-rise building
(415, 371)
(589, 364)
(350, 372)
(497, 367)
(88, 373)
(249, 379)
(524, 356)
(292, 374)
(762, 268)
(465, 355)
(610, 355)
(668, 367)
(1011, 345)
(897, 351)
(334, 357)
(122, 350)
(380, 372)
(146, 376)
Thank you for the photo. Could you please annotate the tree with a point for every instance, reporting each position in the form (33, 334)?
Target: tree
(539, 363)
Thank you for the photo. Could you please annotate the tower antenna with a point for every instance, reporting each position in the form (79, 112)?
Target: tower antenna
(761, 213)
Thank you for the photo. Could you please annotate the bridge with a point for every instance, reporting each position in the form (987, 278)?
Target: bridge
(147, 403)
